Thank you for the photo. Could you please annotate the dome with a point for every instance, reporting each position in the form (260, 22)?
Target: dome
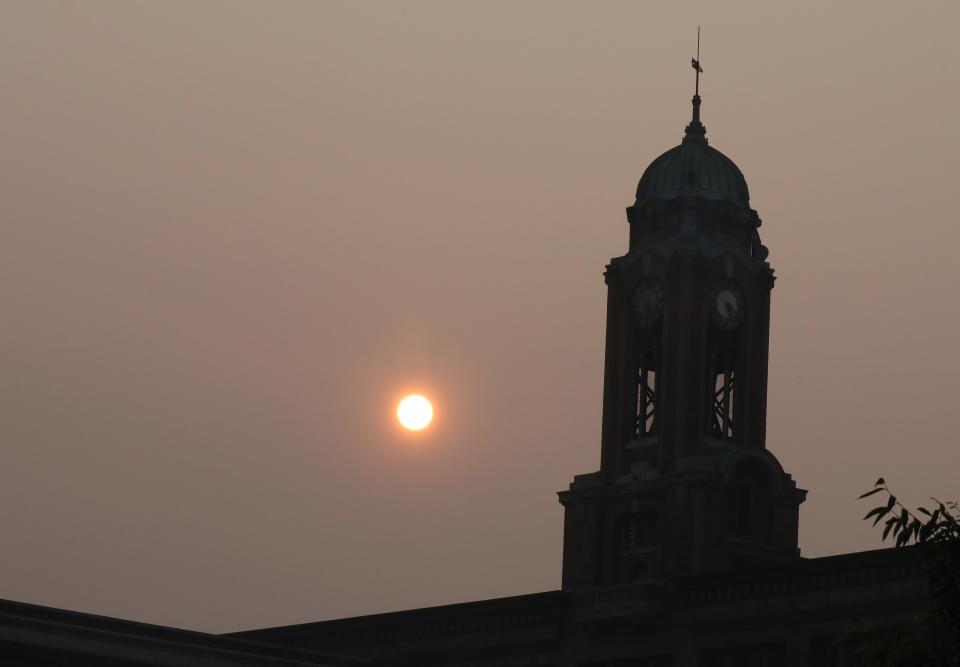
(694, 168)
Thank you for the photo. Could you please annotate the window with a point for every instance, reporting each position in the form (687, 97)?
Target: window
(751, 500)
(638, 531)
(647, 307)
(646, 422)
(721, 381)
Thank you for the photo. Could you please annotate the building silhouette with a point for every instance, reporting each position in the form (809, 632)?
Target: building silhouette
(680, 551)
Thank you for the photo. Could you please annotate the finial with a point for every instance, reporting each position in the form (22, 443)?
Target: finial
(695, 130)
(695, 62)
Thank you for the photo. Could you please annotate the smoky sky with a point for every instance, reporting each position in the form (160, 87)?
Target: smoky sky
(234, 233)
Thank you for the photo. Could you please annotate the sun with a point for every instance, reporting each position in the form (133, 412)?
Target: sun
(414, 412)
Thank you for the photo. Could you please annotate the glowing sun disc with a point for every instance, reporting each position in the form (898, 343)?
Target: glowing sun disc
(415, 412)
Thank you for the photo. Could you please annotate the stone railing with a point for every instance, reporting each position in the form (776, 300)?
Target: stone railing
(857, 569)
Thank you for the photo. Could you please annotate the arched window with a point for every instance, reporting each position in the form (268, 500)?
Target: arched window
(726, 307)
(721, 380)
(646, 420)
(647, 307)
(751, 500)
(638, 531)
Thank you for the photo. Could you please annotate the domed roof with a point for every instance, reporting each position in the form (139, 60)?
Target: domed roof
(694, 168)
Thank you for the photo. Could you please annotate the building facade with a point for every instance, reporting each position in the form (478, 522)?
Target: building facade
(680, 551)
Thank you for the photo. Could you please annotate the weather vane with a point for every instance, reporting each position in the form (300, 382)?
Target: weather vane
(695, 63)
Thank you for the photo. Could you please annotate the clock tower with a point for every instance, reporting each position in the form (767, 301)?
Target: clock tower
(686, 484)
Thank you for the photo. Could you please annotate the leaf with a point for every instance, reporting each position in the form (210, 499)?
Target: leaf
(912, 530)
(891, 502)
(870, 493)
(880, 482)
(924, 510)
(886, 530)
(876, 511)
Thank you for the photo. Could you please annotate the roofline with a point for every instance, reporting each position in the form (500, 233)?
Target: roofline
(545, 598)
(49, 627)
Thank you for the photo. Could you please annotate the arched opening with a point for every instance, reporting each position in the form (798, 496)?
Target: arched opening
(721, 377)
(751, 501)
(647, 307)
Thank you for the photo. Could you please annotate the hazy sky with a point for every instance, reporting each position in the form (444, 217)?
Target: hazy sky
(233, 233)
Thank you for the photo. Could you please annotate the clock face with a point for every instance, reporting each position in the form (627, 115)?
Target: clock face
(726, 304)
(648, 302)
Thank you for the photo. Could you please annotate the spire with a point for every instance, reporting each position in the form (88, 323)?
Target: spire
(695, 130)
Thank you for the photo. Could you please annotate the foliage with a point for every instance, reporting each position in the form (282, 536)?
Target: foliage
(934, 639)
